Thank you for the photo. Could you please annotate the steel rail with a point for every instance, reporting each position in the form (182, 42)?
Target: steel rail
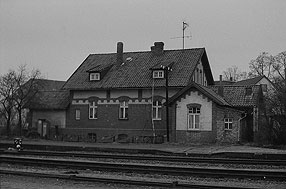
(117, 181)
(168, 170)
(153, 158)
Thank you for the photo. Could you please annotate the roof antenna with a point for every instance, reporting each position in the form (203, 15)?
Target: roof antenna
(185, 25)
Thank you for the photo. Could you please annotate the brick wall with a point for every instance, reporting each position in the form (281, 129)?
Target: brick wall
(195, 137)
(223, 135)
(218, 134)
(139, 122)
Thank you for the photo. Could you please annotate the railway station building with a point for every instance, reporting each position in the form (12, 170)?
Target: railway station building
(123, 97)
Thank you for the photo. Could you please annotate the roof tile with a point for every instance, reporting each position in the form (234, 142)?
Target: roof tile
(135, 72)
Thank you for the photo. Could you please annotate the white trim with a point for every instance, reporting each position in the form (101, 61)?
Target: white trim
(92, 107)
(193, 115)
(94, 76)
(158, 74)
(228, 121)
(123, 106)
(156, 109)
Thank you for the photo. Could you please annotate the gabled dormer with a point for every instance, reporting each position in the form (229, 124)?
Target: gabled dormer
(159, 70)
(98, 72)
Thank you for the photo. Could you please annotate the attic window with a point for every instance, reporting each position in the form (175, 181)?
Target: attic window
(94, 76)
(158, 74)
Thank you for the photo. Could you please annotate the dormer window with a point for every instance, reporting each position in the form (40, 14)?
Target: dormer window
(158, 74)
(94, 76)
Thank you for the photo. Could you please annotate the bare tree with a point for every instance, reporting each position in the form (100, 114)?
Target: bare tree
(234, 74)
(273, 67)
(262, 65)
(27, 88)
(8, 89)
(16, 89)
(279, 66)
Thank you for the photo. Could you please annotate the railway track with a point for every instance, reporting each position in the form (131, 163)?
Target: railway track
(120, 181)
(149, 169)
(151, 158)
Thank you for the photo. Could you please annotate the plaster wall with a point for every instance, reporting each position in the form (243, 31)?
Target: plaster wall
(131, 93)
(87, 94)
(56, 117)
(182, 111)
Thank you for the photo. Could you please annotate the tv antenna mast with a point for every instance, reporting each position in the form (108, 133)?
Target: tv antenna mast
(185, 25)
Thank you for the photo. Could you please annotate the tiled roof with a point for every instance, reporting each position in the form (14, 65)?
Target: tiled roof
(99, 68)
(252, 81)
(50, 95)
(135, 71)
(49, 85)
(50, 100)
(161, 65)
(236, 95)
(224, 82)
(203, 89)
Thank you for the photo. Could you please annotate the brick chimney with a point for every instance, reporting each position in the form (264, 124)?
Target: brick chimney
(220, 87)
(158, 48)
(119, 58)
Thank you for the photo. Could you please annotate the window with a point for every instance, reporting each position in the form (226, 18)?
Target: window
(158, 74)
(77, 114)
(94, 76)
(228, 123)
(92, 110)
(194, 118)
(157, 110)
(123, 110)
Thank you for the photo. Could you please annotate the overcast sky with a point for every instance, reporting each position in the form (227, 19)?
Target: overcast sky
(55, 36)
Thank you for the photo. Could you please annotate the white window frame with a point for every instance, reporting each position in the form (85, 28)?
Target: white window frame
(194, 116)
(77, 114)
(123, 110)
(228, 123)
(157, 109)
(92, 110)
(94, 76)
(158, 74)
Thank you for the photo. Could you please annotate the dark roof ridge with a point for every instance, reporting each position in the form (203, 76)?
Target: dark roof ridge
(250, 81)
(252, 85)
(146, 51)
(259, 76)
(50, 80)
(57, 90)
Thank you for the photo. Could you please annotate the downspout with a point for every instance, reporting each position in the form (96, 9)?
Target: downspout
(238, 132)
